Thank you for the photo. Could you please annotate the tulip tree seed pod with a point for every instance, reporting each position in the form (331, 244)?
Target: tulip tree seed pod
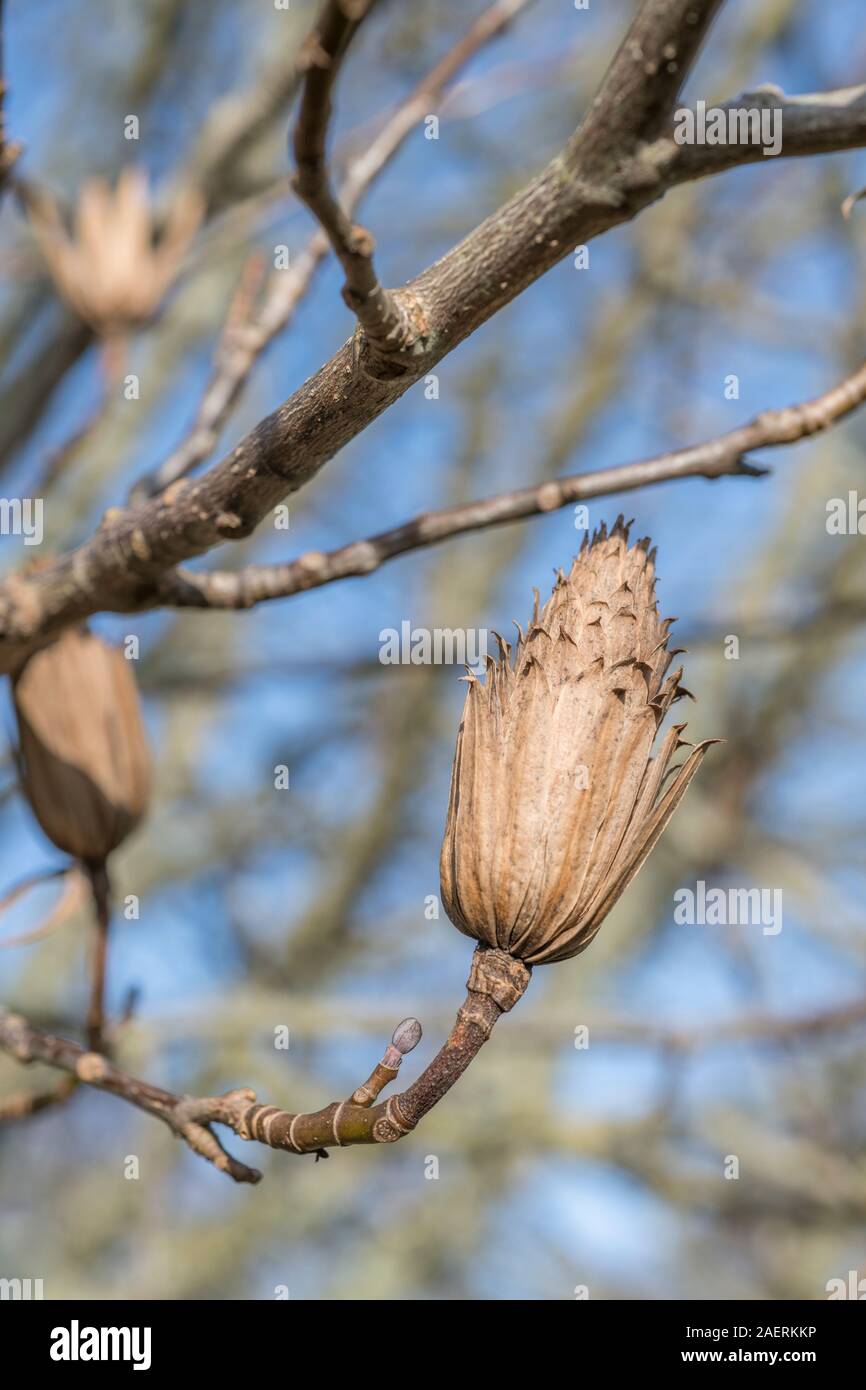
(83, 755)
(109, 268)
(555, 801)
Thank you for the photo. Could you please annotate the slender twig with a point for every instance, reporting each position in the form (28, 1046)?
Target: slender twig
(496, 982)
(238, 354)
(724, 455)
(384, 318)
(101, 890)
(22, 1104)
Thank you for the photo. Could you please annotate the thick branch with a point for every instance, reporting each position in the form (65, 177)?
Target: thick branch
(121, 568)
(496, 982)
(722, 456)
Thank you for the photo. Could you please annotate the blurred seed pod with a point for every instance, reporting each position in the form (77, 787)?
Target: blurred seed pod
(110, 269)
(555, 802)
(82, 750)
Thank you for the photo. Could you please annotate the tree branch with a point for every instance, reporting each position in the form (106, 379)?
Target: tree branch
(811, 124)
(579, 195)
(383, 316)
(239, 352)
(189, 1116)
(496, 982)
(725, 455)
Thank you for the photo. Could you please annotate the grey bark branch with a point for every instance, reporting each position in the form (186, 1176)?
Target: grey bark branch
(725, 455)
(584, 191)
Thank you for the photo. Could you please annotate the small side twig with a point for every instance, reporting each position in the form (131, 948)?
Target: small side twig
(101, 890)
(724, 455)
(496, 982)
(70, 900)
(23, 1104)
(385, 321)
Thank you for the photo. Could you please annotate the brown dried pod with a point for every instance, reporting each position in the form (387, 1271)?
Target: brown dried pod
(110, 269)
(83, 755)
(555, 802)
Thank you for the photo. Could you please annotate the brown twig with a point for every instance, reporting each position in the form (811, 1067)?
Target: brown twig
(384, 318)
(724, 455)
(191, 1117)
(236, 359)
(22, 1104)
(101, 890)
(496, 982)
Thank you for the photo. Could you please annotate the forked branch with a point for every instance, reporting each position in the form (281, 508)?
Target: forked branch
(241, 349)
(496, 982)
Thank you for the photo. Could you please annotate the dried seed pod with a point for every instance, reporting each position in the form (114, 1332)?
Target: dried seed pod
(85, 766)
(110, 270)
(555, 802)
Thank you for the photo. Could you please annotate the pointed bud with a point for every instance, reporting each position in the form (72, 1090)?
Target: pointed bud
(406, 1035)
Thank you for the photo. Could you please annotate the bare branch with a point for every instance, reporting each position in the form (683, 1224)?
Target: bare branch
(725, 455)
(812, 124)
(496, 983)
(575, 198)
(636, 99)
(23, 1104)
(237, 356)
(356, 1120)
(384, 317)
